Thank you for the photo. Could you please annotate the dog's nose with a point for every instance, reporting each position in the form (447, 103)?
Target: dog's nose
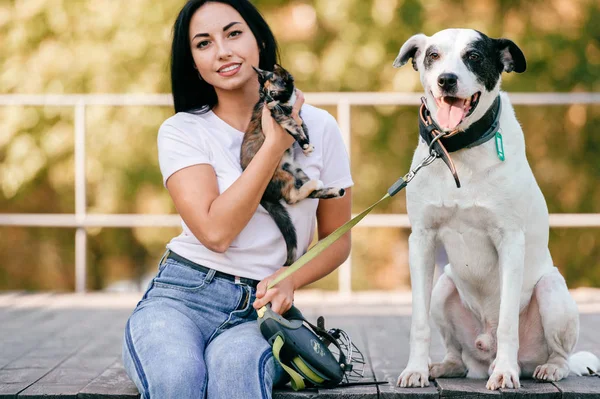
(447, 81)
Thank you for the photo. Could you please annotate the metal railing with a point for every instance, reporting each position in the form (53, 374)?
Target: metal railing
(81, 220)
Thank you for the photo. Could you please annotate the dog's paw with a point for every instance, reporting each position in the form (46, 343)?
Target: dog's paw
(503, 377)
(447, 369)
(414, 378)
(437, 370)
(549, 372)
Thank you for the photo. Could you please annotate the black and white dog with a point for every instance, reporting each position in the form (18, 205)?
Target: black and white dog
(502, 308)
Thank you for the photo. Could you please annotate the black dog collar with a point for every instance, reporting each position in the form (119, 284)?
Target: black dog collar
(478, 133)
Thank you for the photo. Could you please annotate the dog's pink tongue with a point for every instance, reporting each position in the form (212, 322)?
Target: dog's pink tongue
(450, 112)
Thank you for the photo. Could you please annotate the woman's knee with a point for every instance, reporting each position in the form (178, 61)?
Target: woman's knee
(164, 362)
(241, 360)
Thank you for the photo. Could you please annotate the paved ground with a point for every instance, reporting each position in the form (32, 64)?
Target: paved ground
(68, 346)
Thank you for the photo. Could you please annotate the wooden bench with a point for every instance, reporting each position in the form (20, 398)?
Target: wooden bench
(69, 346)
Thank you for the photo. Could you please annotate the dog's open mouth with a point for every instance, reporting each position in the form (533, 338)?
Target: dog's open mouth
(453, 110)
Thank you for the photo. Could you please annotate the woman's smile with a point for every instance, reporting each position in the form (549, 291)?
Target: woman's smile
(229, 69)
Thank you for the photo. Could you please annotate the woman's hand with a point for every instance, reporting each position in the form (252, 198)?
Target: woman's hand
(274, 133)
(281, 296)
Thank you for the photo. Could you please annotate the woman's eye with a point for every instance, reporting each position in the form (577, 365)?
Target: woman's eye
(202, 44)
(235, 33)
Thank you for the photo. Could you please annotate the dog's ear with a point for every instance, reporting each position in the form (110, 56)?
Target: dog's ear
(511, 56)
(410, 49)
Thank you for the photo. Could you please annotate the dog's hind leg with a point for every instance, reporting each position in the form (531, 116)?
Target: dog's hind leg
(445, 306)
(560, 320)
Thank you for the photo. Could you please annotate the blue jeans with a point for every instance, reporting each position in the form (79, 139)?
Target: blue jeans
(195, 335)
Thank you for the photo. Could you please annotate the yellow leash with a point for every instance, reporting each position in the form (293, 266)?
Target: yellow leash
(324, 243)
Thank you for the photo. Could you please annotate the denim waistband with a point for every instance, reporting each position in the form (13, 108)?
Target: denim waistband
(204, 269)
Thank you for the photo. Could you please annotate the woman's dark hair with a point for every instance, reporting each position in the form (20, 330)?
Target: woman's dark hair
(190, 93)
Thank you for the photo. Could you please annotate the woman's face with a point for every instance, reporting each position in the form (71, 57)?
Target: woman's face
(223, 47)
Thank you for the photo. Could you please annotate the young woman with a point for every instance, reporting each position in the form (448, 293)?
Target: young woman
(194, 333)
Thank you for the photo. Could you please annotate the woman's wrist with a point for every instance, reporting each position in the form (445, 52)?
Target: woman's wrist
(274, 147)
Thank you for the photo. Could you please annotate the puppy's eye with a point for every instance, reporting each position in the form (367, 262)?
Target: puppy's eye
(474, 57)
(434, 56)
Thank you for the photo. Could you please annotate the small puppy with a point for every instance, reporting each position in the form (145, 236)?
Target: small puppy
(501, 306)
(289, 182)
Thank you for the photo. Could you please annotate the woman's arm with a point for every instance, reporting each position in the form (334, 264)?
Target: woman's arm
(331, 214)
(216, 219)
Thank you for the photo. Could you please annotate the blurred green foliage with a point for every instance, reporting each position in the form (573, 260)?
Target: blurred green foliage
(85, 46)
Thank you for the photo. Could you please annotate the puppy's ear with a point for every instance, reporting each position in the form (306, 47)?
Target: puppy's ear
(511, 56)
(410, 49)
(262, 75)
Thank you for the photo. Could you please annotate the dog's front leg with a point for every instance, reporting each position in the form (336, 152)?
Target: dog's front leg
(422, 265)
(511, 258)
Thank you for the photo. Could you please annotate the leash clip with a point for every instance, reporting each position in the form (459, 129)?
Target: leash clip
(425, 162)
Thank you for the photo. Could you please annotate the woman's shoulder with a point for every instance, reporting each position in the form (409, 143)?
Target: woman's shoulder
(315, 114)
(185, 121)
(317, 119)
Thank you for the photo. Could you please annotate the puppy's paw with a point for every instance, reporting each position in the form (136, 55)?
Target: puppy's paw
(504, 376)
(307, 149)
(550, 372)
(412, 377)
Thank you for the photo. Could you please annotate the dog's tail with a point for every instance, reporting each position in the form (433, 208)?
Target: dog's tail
(584, 363)
(282, 219)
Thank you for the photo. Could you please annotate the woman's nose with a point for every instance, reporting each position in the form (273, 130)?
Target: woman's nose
(223, 50)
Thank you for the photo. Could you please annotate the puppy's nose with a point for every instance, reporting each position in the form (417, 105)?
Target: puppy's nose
(447, 81)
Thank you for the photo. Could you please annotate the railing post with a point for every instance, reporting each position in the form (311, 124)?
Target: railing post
(80, 198)
(343, 117)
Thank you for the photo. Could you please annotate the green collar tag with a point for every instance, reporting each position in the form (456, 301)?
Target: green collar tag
(499, 146)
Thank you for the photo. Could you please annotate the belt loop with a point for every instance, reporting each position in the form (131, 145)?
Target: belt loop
(164, 258)
(209, 276)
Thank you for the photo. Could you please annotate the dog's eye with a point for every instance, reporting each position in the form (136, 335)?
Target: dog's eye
(434, 56)
(474, 57)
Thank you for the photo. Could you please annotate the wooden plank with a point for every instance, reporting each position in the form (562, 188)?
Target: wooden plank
(387, 339)
(113, 383)
(46, 359)
(579, 387)
(531, 389)
(464, 388)
(50, 326)
(89, 361)
(14, 381)
(65, 383)
(289, 393)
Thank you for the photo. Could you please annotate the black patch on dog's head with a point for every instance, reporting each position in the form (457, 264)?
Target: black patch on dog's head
(428, 60)
(487, 58)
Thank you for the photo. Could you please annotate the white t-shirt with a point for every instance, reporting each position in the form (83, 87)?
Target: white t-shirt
(259, 250)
